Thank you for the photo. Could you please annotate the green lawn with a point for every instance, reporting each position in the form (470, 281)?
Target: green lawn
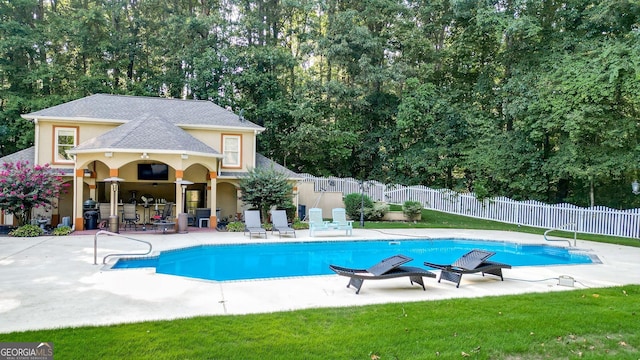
(578, 324)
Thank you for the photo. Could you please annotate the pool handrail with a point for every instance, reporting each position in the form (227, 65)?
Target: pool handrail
(104, 260)
(575, 233)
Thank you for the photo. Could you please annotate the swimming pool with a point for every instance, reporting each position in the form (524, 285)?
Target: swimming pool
(276, 260)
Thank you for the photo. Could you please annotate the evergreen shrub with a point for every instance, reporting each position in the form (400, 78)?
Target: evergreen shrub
(352, 203)
(412, 209)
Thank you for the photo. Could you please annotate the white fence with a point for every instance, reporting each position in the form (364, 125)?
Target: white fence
(597, 220)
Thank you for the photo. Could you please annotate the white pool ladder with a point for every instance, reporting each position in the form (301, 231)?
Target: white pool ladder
(575, 233)
(104, 260)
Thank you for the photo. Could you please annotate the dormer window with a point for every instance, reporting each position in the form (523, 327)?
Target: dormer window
(231, 145)
(65, 138)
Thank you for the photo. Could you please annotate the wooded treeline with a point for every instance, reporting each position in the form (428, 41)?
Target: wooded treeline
(525, 99)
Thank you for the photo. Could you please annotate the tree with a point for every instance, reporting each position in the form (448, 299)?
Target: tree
(433, 136)
(23, 188)
(265, 188)
(526, 99)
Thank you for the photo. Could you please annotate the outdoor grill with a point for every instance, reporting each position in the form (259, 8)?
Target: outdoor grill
(89, 205)
(90, 214)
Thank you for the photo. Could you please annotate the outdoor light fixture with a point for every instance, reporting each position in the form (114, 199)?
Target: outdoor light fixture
(144, 155)
(113, 179)
(108, 154)
(114, 185)
(635, 187)
(184, 156)
(113, 217)
(87, 173)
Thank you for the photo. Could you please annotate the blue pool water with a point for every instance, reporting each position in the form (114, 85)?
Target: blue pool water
(273, 260)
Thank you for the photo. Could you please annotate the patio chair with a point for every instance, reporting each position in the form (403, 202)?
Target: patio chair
(340, 221)
(386, 269)
(105, 213)
(130, 216)
(166, 213)
(252, 223)
(280, 223)
(316, 223)
(475, 261)
(165, 221)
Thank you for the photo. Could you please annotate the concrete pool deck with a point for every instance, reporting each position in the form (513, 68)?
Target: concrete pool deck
(50, 281)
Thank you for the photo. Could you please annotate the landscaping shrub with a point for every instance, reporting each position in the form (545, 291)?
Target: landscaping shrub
(290, 209)
(62, 230)
(299, 225)
(27, 231)
(352, 203)
(235, 226)
(376, 212)
(412, 209)
(24, 187)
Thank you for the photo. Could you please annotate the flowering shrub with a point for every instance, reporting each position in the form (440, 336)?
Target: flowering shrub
(23, 187)
(376, 212)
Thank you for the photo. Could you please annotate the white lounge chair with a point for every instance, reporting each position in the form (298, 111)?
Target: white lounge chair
(316, 223)
(340, 221)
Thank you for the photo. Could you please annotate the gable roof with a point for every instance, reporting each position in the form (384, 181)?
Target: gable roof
(148, 124)
(146, 134)
(124, 108)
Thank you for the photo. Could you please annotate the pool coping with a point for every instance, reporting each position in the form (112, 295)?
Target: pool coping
(50, 282)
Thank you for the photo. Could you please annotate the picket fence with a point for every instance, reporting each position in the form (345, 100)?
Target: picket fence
(599, 220)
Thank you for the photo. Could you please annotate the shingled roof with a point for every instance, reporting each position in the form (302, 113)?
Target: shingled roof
(122, 108)
(146, 134)
(264, 162)
(28, 154)
(148, 124)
